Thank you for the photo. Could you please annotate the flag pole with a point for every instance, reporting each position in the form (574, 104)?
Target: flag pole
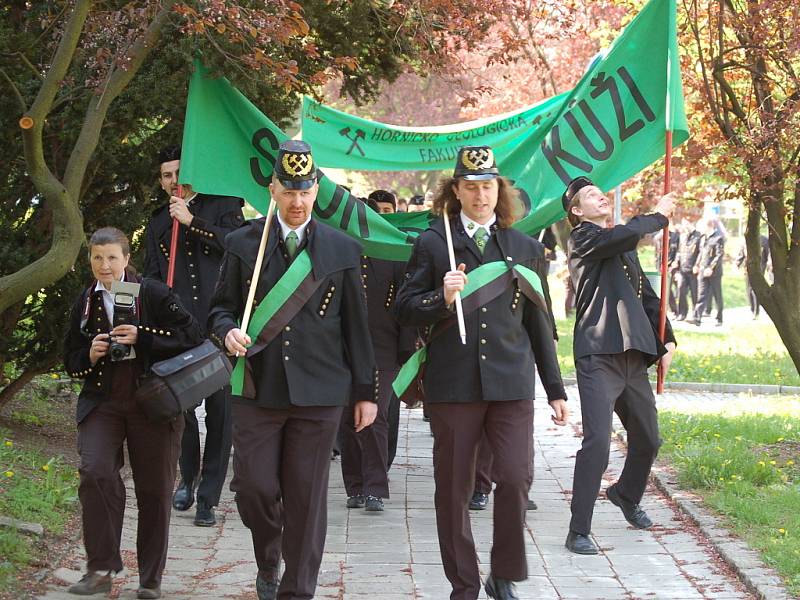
(462, 330)
(251, 294)
(173, 244)
(662, 312)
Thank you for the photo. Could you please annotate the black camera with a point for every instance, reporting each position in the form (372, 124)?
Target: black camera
(124, 314)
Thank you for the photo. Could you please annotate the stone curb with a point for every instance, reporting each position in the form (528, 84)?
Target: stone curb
(753, 573)
(34, 529)
(719, 388)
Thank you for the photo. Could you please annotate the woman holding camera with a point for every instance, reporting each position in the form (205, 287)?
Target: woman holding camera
(113, 337)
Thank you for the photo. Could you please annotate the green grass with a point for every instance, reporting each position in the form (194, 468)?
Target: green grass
(33, 488)
(746, 466)
(750, 352)
(36, 483)
(746, 351)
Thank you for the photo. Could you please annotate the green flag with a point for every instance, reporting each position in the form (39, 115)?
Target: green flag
(349, 142)
(230, 148)
(609, 127)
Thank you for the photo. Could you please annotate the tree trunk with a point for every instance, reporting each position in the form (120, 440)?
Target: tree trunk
(8, 392)
(8, 322)
(783, 313)
(781, 299)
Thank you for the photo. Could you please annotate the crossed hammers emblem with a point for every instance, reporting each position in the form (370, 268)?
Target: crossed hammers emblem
(359, 135)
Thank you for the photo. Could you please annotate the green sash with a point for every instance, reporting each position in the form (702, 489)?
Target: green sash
(485, 283)
(278, 307)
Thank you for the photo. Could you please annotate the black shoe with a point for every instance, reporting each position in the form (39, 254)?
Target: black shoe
(426, 419)
(266, 589)
(92, 583)
(184, 496)
(500, 589)
(205, 515)
(531, 505)
(144, 593)
(374, 504)
(632, 512)
(356, 501)
(580, 544)
(479, 501)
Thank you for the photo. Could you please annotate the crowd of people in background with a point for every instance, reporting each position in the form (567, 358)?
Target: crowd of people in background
(695, 259)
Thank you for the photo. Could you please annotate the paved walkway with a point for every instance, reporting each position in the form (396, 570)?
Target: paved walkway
(394, 555)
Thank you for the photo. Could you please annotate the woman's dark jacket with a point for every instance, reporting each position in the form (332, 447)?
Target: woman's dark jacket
(165, 330)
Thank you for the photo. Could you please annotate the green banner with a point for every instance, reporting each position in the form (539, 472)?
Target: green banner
(345, 141)
(230, 148)
(609, 127)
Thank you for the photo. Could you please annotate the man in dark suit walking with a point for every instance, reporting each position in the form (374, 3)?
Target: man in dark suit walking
(204, 220)
(615, 340)
(709, 275)
(741, 262)
(306, 356)
(487, 384)
(367, 456)
(688, 251)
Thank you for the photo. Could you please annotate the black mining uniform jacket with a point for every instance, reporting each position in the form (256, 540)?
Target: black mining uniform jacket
(323, 356)
(616, 308)
(200, 248)
(505, 336)
(166, 329)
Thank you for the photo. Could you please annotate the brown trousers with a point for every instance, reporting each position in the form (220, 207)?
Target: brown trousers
(153, 450)
(483, 467)
(365, 455)
(281, 462)
(457, 430)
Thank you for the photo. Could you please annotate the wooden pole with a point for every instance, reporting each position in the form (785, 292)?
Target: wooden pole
(173, 245)
(251, 294)
(462, 330)
(662, 313)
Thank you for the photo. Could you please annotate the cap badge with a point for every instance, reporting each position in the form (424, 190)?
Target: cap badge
(478, 158)
(297, 165)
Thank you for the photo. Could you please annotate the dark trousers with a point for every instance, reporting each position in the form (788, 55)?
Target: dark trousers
(394, 427)
(153, 451)
(569, 297)
(609, 383)
(483, 466)
(457, 429)
(672, 287)
(217, 451)
(687, 287)
(708, 289)
(280, 477)
(365, 454)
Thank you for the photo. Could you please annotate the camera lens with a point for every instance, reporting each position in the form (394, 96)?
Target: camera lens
(118, 351)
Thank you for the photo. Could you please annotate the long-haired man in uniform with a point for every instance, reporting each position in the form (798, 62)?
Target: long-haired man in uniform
(486, 384)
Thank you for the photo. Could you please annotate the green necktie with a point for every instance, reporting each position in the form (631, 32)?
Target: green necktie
(291, 243)
(481, 235)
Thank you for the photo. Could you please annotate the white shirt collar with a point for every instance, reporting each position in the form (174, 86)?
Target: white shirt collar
(108, 299)
(285, 229)
(471, 226)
